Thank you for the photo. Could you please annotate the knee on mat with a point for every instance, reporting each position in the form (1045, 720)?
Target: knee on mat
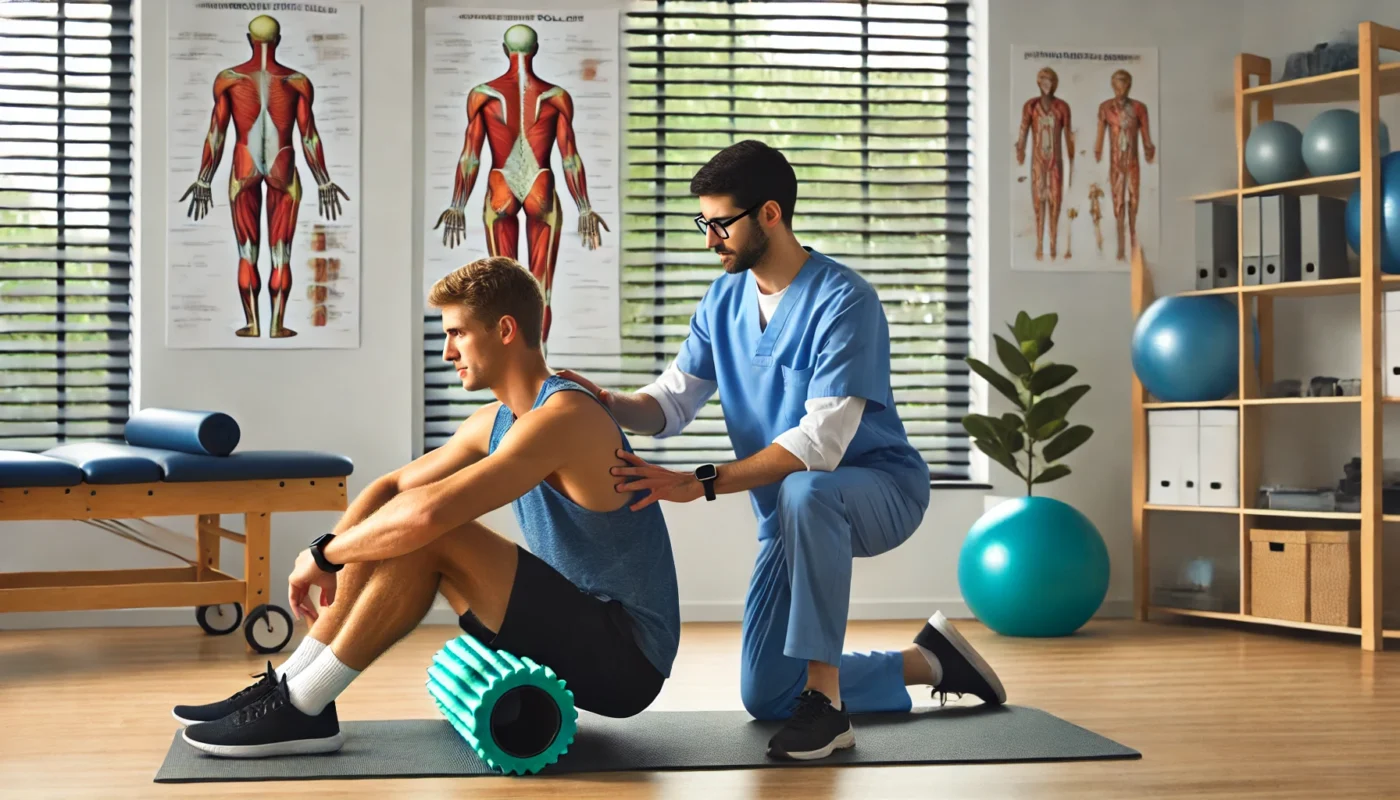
(763, 703)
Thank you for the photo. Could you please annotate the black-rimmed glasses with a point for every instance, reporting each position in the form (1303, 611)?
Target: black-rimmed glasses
(721, 226)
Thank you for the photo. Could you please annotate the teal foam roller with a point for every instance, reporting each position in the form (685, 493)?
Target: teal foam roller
(516, 714)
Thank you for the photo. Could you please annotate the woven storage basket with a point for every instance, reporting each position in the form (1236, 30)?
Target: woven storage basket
(1279, 574)
(1334, 572)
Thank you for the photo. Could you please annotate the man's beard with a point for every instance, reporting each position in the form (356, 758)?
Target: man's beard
(749, 257)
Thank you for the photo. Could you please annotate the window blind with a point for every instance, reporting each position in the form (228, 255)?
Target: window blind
(870, 103)
(65, 221)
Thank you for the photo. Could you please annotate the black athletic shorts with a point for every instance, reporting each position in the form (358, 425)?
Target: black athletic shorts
(587, 642)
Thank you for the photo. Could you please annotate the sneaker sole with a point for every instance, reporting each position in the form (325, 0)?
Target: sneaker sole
(186, 722)
(293, 748)
(943, 626)
(845, 740)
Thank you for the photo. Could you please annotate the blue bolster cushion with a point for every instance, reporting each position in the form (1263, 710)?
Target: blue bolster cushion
(32, 469)
(210, 433)
(100, 462)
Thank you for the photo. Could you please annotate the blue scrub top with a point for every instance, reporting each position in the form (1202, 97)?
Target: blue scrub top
(827, 338)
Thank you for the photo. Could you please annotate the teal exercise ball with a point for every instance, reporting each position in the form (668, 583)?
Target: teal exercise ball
(1186, 349)
(1389, 243)
(1273, 153)
(1033, 566)
(1332, 142)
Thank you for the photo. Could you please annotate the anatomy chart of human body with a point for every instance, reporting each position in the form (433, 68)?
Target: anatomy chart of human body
(522, 112)
(264, 112)
(1084, 183)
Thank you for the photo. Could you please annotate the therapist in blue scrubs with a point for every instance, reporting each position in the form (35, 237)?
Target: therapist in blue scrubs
(798, 347)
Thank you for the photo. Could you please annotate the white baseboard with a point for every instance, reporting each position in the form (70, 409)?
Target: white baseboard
(442, 614)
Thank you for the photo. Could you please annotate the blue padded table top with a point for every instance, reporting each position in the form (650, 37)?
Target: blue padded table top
(32, 469)
(103, 462)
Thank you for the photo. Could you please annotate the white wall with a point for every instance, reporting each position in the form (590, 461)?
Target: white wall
(365, 403)
(1194, 134)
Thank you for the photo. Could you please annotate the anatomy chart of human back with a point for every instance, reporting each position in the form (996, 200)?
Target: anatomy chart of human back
(521, 159)
(263, 175)
(1084, 134)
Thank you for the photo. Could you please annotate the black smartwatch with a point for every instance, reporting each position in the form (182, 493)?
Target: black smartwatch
(318, 547)
(706, 474)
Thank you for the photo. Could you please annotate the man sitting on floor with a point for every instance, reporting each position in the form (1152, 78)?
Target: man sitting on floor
(594, 597)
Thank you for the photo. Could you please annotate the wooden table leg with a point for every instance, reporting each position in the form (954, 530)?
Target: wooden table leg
(257, 568)
(207, 531)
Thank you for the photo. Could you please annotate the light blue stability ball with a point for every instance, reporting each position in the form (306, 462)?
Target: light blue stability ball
(1389, 216)
(1186, 349)
(1273, 153)
(1033, 566)
(1332, 142)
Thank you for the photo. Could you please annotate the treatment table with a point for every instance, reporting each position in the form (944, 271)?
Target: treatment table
(101, 483)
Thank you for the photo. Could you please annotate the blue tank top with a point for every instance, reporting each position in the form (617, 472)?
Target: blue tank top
(621, 555)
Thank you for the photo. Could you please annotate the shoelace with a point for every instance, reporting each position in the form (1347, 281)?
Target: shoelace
(264, 678)
(258, 708)
(943, 696)
(809, 708)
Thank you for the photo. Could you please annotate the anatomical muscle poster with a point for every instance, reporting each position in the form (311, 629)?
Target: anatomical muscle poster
(263, 174)
(521, 151)
(1084, 176)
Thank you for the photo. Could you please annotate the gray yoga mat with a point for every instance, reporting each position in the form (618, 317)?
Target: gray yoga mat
(670, 740)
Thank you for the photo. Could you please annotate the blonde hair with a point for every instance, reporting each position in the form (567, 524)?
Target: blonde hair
(492, 288)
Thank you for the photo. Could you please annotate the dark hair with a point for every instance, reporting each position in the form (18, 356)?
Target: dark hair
(751, 172)
(492, 288)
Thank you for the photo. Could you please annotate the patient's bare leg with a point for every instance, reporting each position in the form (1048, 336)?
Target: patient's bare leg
(350, 582)
(473, 565)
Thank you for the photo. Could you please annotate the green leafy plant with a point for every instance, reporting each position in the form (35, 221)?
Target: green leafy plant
(1039, 421)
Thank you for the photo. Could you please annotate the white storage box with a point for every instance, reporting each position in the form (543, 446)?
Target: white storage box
(1390, 345)
(1173, 457)
(1219, 452)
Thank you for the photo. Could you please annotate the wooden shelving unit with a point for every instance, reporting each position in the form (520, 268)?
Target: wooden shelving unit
(1254, 104)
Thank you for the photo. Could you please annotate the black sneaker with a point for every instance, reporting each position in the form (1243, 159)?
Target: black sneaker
(190, 715)
(815, 730)
(964, 671)
(268, 726)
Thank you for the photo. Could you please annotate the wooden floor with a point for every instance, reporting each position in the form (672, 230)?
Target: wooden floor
(1217, 711)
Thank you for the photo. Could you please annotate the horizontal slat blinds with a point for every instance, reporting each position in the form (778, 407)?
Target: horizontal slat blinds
(65, 221)
(870, 102)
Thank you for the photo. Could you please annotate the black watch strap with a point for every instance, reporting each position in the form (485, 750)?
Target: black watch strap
(318, 547)
(707, 474)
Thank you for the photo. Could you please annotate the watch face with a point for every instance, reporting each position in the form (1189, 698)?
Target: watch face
(705, 472)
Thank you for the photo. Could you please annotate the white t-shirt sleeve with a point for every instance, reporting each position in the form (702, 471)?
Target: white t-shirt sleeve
(681, 396)
(824, 432)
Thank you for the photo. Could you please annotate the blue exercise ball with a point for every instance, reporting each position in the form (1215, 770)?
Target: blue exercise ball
(1273, 153)
(1033, 566)
(1389, 216)
(1332, 142)
(1186, 349)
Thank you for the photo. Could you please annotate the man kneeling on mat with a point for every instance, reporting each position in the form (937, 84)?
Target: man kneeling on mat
(594, 597)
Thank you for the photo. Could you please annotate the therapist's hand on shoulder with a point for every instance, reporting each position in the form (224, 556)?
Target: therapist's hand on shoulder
(663, 484)
(599, 392)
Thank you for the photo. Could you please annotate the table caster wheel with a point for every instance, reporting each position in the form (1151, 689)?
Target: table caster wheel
(219, 620)
(268, 628)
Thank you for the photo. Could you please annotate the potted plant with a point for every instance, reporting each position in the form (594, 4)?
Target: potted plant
(1032, 565)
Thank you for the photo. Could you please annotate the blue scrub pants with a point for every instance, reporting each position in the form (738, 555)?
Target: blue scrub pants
(799, 594)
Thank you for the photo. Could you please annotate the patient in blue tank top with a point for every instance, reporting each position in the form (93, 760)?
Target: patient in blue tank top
(620, 555)
(592, 595)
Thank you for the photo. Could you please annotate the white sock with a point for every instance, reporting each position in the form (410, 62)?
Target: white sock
(933, 664)
(302, 658)
(317, 685)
